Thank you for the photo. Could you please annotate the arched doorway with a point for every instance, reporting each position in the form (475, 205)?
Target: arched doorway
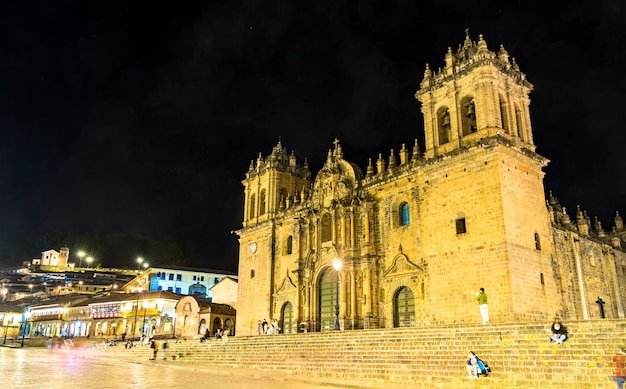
(202, 328)
(217, 323)
(167, 324)
(228, 324)
(403, 308)
(287, 317)
(327, 299)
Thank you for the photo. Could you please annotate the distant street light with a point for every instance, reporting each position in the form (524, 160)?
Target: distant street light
(337, 264)
(139, 261)
(145, 265)
(80, 255)
(89, 260)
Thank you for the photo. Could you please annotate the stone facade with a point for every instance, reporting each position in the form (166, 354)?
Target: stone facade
(419, 233)
(195, 316)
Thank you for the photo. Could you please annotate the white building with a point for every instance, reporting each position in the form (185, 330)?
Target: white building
(225, 291)
(53, 258)
(178, 279)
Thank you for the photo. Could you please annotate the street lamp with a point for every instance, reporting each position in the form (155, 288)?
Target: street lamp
(144, 304)
(139, 261)
(88, 259)
(136, 308)
(25, 325)
(80, 255)
(337, 264)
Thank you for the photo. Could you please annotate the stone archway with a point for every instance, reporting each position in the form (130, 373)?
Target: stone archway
(403, 307)
(287, 318)
(217, 324)
(230, 326)
(327, 299)
(202, 327)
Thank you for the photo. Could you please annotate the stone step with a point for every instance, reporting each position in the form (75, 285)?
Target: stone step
(520, 355)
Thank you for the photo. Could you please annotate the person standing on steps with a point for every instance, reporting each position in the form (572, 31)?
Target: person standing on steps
(481, 297)
(620, 367)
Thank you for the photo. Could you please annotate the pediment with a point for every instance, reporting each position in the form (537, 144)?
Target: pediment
(286, 285)
(402, 265)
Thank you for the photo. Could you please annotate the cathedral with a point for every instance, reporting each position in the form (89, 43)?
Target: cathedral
(412, 239)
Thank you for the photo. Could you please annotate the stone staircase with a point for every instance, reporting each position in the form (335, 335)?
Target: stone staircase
(520, 355)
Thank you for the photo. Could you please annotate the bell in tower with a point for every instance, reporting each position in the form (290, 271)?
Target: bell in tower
(471, 116)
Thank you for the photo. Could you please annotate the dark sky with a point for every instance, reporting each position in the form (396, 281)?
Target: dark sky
(140, 118)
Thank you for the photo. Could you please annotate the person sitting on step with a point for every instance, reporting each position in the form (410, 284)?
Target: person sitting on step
(559, 332)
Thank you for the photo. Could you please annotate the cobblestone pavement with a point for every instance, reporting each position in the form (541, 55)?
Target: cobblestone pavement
(40, 368)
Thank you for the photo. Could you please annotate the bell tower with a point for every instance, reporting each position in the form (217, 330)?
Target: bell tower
(273, 184)
(478, 94)
(482, 193)
(274, 187)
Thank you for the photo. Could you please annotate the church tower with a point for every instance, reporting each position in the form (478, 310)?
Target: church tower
(272, 184)
(477, 94)
(482, 196)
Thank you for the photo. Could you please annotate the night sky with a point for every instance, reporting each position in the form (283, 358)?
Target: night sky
(128, 126)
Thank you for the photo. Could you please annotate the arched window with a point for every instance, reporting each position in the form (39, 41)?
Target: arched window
(443, 125)
(505, 116)
(468, 112)
(283, 198)
(520, 124)
(405, 218)
(252, 209)
(262, 203)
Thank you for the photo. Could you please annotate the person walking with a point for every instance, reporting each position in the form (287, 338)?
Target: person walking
(620, 369)
(154, 345)
(481, 297)
(165, 347)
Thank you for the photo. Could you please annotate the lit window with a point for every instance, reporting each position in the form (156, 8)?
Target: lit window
(405, 218)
